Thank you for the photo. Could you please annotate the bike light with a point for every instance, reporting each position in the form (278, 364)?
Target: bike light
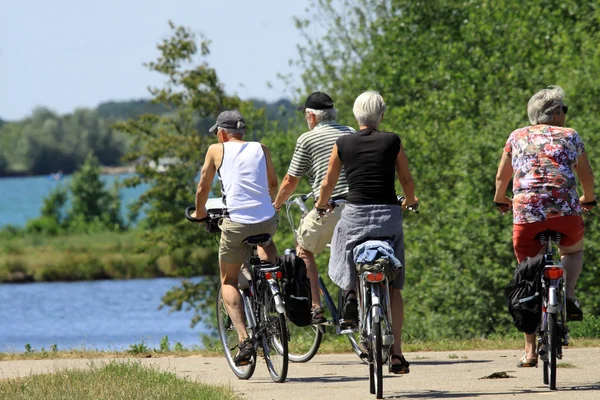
(553, 272)
(279, 274)
(268, 275)
(374, 277)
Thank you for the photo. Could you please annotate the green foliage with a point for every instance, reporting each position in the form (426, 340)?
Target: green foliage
(138, 348)
(164, 344)
(194, 96)
(91, 207)
(46, 142)
(456, 77)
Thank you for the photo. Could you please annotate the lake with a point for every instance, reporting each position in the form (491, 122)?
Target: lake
(21, 199)
(101, 315)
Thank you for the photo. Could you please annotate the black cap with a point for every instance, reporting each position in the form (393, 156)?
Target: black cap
(230, 119)
(317, 101)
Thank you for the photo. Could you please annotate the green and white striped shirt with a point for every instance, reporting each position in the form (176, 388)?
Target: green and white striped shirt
(311, 156)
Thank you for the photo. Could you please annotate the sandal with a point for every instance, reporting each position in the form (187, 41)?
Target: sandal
(245, 353)
(401, 368)
(318, 315)
(525, 362)
(350, 313)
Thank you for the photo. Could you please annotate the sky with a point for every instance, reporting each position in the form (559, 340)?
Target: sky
(64, 54)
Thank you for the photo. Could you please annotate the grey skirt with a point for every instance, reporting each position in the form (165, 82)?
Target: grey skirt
(359, 222)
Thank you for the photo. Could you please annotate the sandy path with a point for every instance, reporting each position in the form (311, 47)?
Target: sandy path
(434, 375)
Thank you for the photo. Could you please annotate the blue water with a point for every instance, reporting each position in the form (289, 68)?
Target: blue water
(21, 199)
(96, 315)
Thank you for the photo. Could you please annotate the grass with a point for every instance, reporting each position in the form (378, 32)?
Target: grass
(116, 380)
(330, 345)
(102, 255)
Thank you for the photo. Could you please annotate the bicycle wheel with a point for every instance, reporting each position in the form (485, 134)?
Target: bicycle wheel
(552, 350)
(229, 339)
(304, 342)
(274, 338)
(377, 359)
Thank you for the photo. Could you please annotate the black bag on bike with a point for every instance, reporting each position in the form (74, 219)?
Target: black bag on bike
(523, 294)
(296, 290)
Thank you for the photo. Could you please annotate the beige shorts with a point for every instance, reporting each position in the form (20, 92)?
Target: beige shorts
(315, 233)
(232, 248)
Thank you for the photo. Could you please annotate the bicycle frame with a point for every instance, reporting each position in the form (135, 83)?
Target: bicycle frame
(375, 307)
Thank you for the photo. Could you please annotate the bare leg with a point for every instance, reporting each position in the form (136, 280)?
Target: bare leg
(572, 261)
(530, 346)
(397, 305)
(313, 274)
(232, 297)
(268, 252)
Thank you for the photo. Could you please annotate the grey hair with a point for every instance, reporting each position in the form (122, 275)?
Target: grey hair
(234, 132)
(329, 114)
(541, 106)
(369, 108)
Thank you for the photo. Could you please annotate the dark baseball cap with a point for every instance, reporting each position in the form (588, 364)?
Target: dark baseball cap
(317, 101)
(230, 119)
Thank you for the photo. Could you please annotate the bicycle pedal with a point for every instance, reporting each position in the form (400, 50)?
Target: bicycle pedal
(347, 331)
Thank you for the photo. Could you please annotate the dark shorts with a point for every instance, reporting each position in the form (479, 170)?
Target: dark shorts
(526, 245)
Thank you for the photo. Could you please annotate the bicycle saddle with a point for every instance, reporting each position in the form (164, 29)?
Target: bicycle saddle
(258, 239)
(543, 236)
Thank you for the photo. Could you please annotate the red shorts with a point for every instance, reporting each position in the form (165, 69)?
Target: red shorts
(526, 245)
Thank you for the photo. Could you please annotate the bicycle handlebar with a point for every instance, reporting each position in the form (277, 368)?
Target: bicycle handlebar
(188, 215)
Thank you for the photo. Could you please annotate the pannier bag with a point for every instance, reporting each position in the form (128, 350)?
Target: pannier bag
(296, 289)
(523, 294)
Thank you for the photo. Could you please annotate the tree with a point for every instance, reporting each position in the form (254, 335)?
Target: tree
(192, 94)
(456, 77)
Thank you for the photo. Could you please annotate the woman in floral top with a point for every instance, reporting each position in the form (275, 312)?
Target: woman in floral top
(545, 158)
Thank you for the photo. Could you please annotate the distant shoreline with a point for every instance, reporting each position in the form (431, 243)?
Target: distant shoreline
(106, 170)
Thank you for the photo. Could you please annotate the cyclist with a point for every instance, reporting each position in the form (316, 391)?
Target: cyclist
(248, 184)
(370, 158)
(545, 157)
(311, 157)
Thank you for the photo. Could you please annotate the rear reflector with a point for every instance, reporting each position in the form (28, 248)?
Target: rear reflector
(553, 272)
(375, 277)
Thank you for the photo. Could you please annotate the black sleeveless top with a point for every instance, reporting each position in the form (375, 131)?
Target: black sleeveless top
(369, 159)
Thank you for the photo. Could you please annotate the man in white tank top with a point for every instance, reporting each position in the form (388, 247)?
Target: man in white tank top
(248, 185)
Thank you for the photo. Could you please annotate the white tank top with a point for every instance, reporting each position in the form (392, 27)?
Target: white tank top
(244, 183)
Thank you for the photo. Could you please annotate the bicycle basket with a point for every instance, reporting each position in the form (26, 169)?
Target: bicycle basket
(382, 264)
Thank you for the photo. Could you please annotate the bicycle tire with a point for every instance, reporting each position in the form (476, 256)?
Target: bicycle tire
(274, 337)
(229, 339)
(378, 359)
(552, 349)
(304, 342)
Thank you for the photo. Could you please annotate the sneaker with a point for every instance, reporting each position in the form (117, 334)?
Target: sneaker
(574, 312)
(245, 353)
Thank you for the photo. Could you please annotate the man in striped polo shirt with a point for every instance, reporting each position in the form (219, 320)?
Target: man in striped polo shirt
(311, 157)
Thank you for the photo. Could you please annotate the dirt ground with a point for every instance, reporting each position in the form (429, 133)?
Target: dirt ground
(433, 375)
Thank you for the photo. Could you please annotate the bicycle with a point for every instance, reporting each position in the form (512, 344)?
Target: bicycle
(375, 318)
(305, 341)
(552, 330)
(373, 338)
(263, 308)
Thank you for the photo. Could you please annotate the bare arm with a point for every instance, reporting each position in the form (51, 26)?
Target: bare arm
(503, 177)
(207, 174)
(405, 178)
(586, 177)
(331, 177)
(286, 189)
(271, 175)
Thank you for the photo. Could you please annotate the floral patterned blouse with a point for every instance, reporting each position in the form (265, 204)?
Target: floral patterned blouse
(544, 185)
